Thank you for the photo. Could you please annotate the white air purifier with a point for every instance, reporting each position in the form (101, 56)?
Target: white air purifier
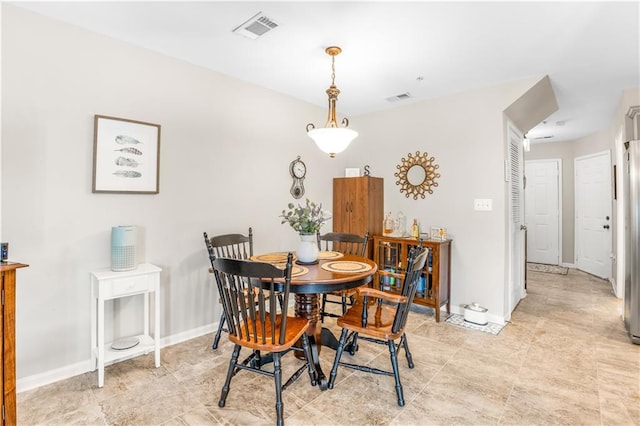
(123, 248)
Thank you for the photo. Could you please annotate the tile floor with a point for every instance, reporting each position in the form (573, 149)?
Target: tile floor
(563, 359)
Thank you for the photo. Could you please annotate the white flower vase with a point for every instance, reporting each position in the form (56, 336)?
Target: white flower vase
(307, 251)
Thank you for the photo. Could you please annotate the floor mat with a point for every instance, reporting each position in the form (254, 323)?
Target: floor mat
(549, 269)
(458, 320)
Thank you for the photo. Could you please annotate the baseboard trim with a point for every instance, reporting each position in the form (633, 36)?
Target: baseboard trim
(568, 265)
(188, 335)
(52, 376)
(41, 379)
(614, 287)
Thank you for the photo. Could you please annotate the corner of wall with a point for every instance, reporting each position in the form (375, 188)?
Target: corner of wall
(533, 106)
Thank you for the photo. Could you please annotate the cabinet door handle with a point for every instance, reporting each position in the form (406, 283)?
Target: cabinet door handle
(351, 206)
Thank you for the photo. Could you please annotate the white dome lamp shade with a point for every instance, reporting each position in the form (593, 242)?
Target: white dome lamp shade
(332, 139)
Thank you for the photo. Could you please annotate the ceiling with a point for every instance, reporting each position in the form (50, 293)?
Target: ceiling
(590, 50)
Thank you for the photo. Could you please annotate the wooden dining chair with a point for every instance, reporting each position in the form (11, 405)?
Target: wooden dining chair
(263, 326)
(345, 243)
(381, 320)
(234, 246)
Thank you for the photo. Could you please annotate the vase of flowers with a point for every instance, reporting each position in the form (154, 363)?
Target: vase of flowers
(307, 251)
(307, 221)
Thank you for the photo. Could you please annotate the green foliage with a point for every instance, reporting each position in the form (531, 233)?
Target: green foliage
(306, 219)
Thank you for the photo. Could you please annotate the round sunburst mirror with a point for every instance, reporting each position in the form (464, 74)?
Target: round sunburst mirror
(417, 175)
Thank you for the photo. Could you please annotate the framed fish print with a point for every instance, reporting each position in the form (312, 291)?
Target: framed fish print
(126, 156)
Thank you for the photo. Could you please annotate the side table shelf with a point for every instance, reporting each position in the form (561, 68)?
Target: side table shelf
(108, 285)
(434, 289)
(147, 344)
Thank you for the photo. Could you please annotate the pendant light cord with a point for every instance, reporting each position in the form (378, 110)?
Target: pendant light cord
(333, 70)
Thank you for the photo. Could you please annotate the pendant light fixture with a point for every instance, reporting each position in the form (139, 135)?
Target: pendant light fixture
(526, 143)
(331, 138)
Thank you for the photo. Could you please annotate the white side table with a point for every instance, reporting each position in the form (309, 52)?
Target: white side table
(108, 285)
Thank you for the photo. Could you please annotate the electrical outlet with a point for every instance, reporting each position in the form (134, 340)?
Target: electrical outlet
(483, 204)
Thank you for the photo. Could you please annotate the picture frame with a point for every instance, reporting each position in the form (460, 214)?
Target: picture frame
(126, 156)
(438, 234)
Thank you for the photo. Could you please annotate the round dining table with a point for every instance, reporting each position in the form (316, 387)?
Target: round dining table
(332, 272)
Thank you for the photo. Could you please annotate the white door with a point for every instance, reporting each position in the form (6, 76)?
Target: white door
(593, 213)
(542, 211)
(516, 215)
(621, 209)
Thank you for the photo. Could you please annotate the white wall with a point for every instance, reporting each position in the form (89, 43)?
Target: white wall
(225, 152)
(464, 133)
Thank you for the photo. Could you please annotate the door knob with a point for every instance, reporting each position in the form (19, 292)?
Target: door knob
(606, 226)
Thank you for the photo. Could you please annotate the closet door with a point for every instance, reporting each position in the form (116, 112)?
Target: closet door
(342, 204)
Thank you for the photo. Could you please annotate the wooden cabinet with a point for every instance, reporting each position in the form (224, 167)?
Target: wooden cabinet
(8, 319)
(434, 288)
(358, 204)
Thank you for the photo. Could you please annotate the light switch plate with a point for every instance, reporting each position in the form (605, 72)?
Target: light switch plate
(483, 204)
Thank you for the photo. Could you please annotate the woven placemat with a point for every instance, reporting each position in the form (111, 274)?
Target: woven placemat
(296, 270)
(279, 260)
(346, 266)
(280, 257)
(329, 255)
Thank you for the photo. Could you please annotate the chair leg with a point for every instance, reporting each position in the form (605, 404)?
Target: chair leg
(344, 303)
(277, 375)
(334, 370)
(307, 353)
(281, 302)
(405, 344)
(322, 311)
(352, 347)
(396, 372)
(256, 361)
(232, 366)
(216, 340)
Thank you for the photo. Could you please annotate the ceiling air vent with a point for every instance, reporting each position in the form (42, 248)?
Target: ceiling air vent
(400, 97)
(255, 26)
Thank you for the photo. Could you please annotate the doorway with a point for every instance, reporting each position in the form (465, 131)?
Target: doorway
(593, 213)
(543, 210)
(516, 289)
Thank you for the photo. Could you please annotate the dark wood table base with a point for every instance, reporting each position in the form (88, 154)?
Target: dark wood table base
(307, 306)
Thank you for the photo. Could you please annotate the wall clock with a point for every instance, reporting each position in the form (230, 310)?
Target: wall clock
(298, 171)
(417, 175)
